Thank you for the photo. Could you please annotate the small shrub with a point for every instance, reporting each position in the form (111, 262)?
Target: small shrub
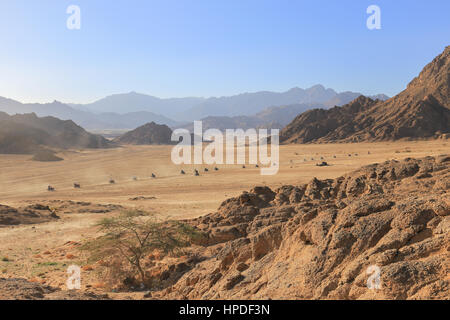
(131, 237)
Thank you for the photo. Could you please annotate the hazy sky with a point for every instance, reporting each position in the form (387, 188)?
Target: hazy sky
(175, 48)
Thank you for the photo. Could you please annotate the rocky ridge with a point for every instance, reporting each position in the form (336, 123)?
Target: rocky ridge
(421, 111)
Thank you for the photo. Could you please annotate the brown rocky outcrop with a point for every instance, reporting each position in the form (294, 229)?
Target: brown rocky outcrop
(317, 241)
(28, 215)
(21, 289)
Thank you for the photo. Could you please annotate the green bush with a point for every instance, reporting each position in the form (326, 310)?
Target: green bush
(131, 236)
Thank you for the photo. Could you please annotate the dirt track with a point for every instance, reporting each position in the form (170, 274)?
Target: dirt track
(182, 195)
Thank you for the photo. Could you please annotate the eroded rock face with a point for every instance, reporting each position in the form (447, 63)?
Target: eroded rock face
(316, 241)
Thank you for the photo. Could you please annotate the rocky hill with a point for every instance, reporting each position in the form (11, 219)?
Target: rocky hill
(27, 133)
(150, 133)
(422, 110)
(320, 240)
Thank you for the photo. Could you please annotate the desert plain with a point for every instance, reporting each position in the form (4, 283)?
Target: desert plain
(42, 252)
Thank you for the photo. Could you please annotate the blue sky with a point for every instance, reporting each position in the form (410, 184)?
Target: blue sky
(176, 48)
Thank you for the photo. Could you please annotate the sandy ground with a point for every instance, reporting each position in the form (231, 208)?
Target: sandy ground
(42, 252)
(182, 195)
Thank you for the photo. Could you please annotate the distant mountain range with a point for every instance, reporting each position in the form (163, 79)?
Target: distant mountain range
(246, 104)
(135, 102)
(251, 103)
(269, 118)
(422, 110)
(88, 120)
(130, 110)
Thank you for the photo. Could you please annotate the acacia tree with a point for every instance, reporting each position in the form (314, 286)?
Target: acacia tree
(132, 235)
